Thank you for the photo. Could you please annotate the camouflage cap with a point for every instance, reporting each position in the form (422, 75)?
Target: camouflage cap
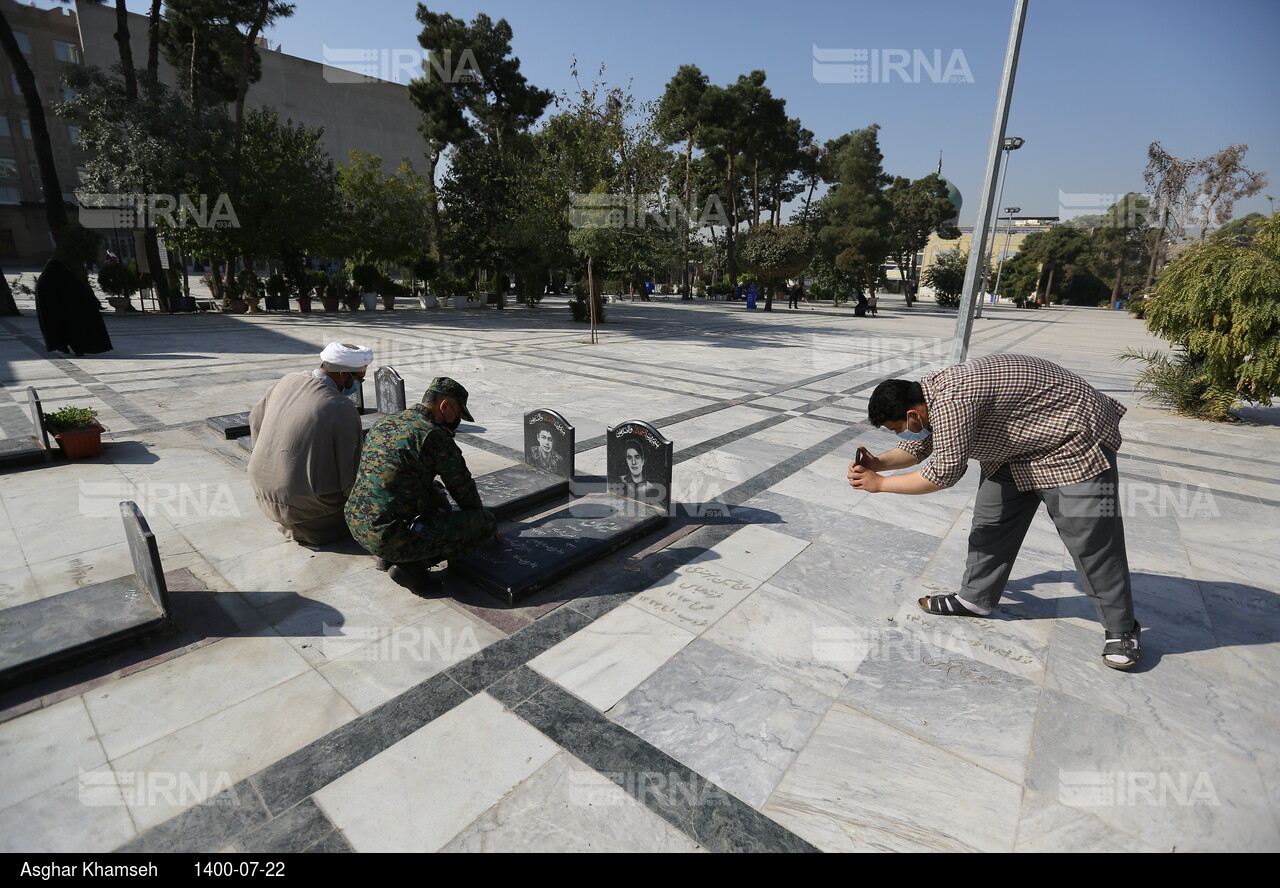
(453, 389)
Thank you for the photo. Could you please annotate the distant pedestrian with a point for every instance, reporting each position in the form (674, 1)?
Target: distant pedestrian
(797, 293)
(69, 313)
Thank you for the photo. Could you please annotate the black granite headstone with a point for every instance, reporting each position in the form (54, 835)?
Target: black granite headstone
(549, 442)
(44, 636)
(389, 388)
(638, 463)
(37, 418)
(230, 426)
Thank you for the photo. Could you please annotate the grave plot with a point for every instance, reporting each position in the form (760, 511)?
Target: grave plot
(548, 470)
(32, 448)
(45, 636)
(546, 547)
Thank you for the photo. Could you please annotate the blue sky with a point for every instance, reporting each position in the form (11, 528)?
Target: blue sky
(1098, 80)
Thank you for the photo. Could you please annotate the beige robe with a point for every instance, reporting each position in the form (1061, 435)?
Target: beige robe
(306, 449)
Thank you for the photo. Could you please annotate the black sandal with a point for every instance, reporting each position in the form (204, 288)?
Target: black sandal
(946, 605)
(1126, 649)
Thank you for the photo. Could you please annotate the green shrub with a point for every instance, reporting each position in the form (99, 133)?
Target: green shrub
(117, 280)
(1181, 382)
(68, 419)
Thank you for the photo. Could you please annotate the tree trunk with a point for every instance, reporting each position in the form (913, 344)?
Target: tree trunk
(1155, 248)
(8, 307)
(126, 51)
(158, 274)
(684, 232)
(1115, 288)
(153, 40)
(591, 295)
(433, 207)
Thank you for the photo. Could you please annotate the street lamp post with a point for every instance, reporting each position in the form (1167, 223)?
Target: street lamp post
(1011, 144)
(1008, 233)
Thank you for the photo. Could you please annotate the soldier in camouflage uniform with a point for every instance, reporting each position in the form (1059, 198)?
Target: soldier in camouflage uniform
(396, 509)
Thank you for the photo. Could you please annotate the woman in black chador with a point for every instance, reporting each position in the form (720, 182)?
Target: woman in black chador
(69, 312)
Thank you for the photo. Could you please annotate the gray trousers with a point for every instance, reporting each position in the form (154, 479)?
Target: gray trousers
(1087, 515)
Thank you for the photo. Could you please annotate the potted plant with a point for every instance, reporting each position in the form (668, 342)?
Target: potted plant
(277, 300)
(366, 279)
(119, 282)
(313, 281)
(77, 431)
(1136, 308)
(390, 290)
(247, 283)
(334, 290)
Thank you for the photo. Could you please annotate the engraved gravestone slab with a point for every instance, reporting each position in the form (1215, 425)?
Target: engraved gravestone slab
(548, 442)
(548, 446)
(37, 418)
(388, 387)
(230, 426)
(27, 449)
(638, 463)
(544, 548)
(43, 636)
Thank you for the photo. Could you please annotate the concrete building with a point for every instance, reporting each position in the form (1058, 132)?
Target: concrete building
(353, 110)
(1004, 241)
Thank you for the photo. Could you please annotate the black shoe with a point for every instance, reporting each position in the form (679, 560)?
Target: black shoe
(421, 582)
(1123, 652)
(382, 564)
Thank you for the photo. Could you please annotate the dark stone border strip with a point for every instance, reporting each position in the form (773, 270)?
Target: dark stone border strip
(703, 811)
(1177, 465)
(1126, 475)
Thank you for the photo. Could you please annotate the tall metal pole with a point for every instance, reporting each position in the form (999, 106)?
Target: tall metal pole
(978, 249)
(1009, 145)
(1008, 234)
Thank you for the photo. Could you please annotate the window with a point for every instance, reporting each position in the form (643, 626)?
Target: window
(13, 81)
(35, 177)
(68, 94)
(4, 125)
(9, 195)
(24, 43)
(8, 168)
(65, 52)
(26, 128)
(82, 173)
(73, 134)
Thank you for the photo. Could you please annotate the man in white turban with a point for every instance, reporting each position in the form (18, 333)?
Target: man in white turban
(306, 446)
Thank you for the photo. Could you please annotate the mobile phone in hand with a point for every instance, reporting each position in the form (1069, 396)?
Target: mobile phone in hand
(858, 457)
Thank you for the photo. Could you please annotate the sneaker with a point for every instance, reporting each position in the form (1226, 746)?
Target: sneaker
(1123, 652)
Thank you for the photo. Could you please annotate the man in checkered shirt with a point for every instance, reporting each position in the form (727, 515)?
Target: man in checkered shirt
(1041, 434)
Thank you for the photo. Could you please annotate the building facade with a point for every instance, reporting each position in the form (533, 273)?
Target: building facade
(354, 112)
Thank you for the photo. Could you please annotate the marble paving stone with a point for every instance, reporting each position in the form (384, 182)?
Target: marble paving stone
(287, 567)
(1015, 639)
(426, 789)
(737, 723)
(207, 757)
(1185, 698)
(978, 712)
(817, 645)
(566, 807)
(605, 661)
(757, 552)
(859, 785)
(374, 672)
(823, 489)
(45, 748)
(785, 514)
(1235, 544)
(696, 595)
(18, 586)
(869, 583)
(1168, 790)
(1048, 827)
(58, 820)
(145, 706)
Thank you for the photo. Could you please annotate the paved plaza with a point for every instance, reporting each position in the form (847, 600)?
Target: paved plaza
(754, 676)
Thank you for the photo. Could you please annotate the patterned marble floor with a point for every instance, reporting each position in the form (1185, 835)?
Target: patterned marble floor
(754, 677)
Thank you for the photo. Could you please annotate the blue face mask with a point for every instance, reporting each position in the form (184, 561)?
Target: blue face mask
(908, 435)
(351, 390)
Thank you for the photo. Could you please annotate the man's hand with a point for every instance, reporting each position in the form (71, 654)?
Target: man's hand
(864, 458)
(863, 478)
(498, 537)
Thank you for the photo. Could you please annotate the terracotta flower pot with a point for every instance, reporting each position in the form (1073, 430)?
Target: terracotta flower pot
(331, 303)
(80, 443)
(304, 304)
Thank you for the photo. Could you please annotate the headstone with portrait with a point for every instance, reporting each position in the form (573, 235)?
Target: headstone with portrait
(543, 548)
(547, 472)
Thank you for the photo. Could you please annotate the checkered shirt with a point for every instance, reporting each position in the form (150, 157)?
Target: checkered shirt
(1047, 424)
